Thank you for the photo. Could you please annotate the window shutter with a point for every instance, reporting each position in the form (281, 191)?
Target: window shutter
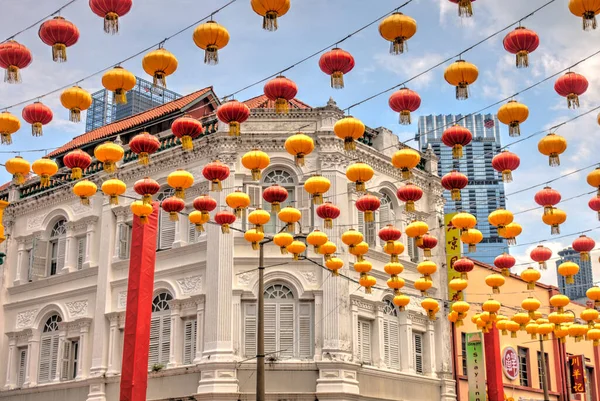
(166, 235)
(165, 339)
(81, 242)
(39, 251)
(54, 357)
(364, 342)
(154, 341)
(286, 330)
(124, 240)
(305, 331)
(22, 367)
(361, 222)
(391, 338)
(60, 256)
(189, 341)
(255, 194)
(412, 249)
(66, 361)
(271, 329)
(45, 359)
(250, 330)
(304, 203)
(418, 344)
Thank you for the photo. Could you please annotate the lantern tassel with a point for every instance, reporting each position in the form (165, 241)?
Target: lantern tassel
(270, 21)
(506, 272)
(589, 21)
(147, 199)
(410, 206)
(5, 139)
(431, 315)
(109, 167)
(200, 228)
(259, 228)
(368, 290)
(216, 186)
(44, 180)
(317, 199)
(296, 257)
(211, 55)
(282, 106)
(328, 223)
(234, 128)
(255, 246)
(316, 247)
(514, 129)
(599, 215)
(186, 143)
(507, 176)
(85, 200)
(496, 290)
(462, 91)
(143, 219)
(394, 258)
(531, 286)
(406, 174)
(585, 256)
(511, 241)
(405, 117)
(238, 212)
(18, 178)
(225, 228)
(113, 200)
(335, 273)
(398, 45)
(121, 96)
(173, 216)
(111, 23)
(457, 151)
(472, 247)
(523, 59)
(349, 144)
(360, 186)
(570, 280)
(59, 53)
(337, 80)
(75, 115)
(12, 75)
(36, 129)
(464, 276)
(299, 160)
(427, 253)
(369, 216)
(275, 207)
(256, 174)
(548, 209)
(455, 194)
(555, 229)
(465, 8)
(160, 79)
(290, 227)
(143, 159)
(573, 101)
(284, 250)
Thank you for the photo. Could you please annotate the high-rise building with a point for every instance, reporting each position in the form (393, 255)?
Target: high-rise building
(583, 280)
(142, 97)
(485, 192)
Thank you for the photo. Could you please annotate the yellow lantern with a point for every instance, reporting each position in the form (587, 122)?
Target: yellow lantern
(554, 219)
(521, 319)
(198, 219)
(544, 330)
(406, 159)
(283, 240)
(160, 63)
(472, 237)
(396, 283)
(397, 29)
(259, 218)
(113, 188)
(500, 218)
(85, 189)
(513, 114)
(512, 327)
(510, 232)
(431, 306)
(316, 239)
(501, 325)
(594, 335)
(290, 216)
(393, 268)
(368, 282)
(394, 249)
(531, 305)
(75, 99)
(492, 307)
(577, 331)
(256, 161)
(363, 266)
(422, 284)
(254, 236)
(417, 229)
(568, 270)
(327, 249)
(317, 185)
(461, 308)
(270, 10)
(556, 319)
(349, 129)
(589, 315)
(352, 238)
(495, 281)
(461, 74)
(360, 250)
(19, 168)
(334, 264)
(427, 268)
(238, 201)
(464, 221)
(180, 180)
(401, 301)
(458, 284)
(593, 293)
(360, 173)
(559, 302)
(109, 153)
(119, 81)
(531, 329)
(299, 146)
(296, 248)
(552, 145)
(44, 168)
(9, 124)
(211, 37)
(142, 210)
(530, 276)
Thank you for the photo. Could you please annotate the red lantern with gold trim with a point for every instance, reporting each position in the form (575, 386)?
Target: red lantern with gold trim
(336, 63)
(457, 137)
(13, 58)
(405, 101)
(328, 212)
(389, 234)
(594, 204)
(187, 129)
(548, 198)
(77, 160)
(281, 90)
(465, 8)
(173, 205)
(521, 42)
(463, 266)
(506, 162)
(233, 113)
(146, 187)
(427, 243)
(541, 254)
(111, 10)
(454, 181)
(584, 245)
(216, 172)
(409, 194)
(275, 195)
(60, 34)
(505, 262)
(144, 145)
(37, 114)
(205, 204)
(225, 218)
(368, 204)
(571, 85)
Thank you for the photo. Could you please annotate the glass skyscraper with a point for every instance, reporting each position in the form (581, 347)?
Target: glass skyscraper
(485, 192)
(142, 97)
(583, 280)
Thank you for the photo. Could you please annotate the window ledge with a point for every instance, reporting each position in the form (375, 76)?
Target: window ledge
(162, 254)
(53, 280)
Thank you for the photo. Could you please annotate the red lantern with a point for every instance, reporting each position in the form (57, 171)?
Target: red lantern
(328, 212)
(275, 195)
(205, 204)
(409, 194)
(368, 204)
(427, 243)
(584, 245)
(465, 8)
(506, 162)
(60, 34)
(38, 115)
(548, 198)
(541, 254)
(233, 113)
(13, 58)
(571, 85)
(144, 145)
(454, 182)
(281, 90)
(389, 234)
(146, 187)
(463, 266)
(225, 218)
(336, 63)
(405, 101)
(594, 204)
(521, 42)
(457, 137)
(111, 10)
(173, 205)
(216, 172)
(505, 262)
(77, 160)
(187, 129)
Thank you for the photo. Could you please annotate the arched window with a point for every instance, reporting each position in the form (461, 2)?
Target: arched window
(49, 350)
(391, 335)
(58, 245)
(166, 227)
(288, 325)
(286, 180)
(160, 331)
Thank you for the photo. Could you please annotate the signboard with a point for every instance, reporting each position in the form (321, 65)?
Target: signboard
(476, 367)
(510, 363)
(453, 251)
(577, 371)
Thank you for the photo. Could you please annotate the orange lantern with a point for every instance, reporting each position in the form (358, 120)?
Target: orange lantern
(299, 146)
(500, 218)
(521, 319)
(75, 99)
(238, 201)
(119, 81)
(142, 210)
(180, 180)
(495, 281)
(393, 268)
(406, 160)
(587, 10)
(513, 114)
(9, 124)
(334, 264)
(283, 240)
(270, 10)
(198, 219)
(259, 218)
(113, 188)
(593, 293)
(316, 239)
(531, 305)
(461, 74)
(463, 221)
(431, 306)
(19, 168)
(254, 237)
(554, 219)
(472, 237)
(360, 250)
(296, 248)
(349, 129)
(211, 37)
(109, 153)
(568, 270)
(256, 161)
(530, 276)
(417, 229)
(427, 268)
(593, 179)
(394, 249)
(85, 189)
(44, 168)
(396, 283)
(368, 282)
(327, 250)
(290, 216)
(510, 232)
(360, 173)
(397, 29)
(160, 63)
(401, 301)
(352, 238)
(316, 186)
(553, 145)
(422, 284)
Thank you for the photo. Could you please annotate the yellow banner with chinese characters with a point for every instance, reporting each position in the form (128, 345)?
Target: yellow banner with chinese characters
(453, 252)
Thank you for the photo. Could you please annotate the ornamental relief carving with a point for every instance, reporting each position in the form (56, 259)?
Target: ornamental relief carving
(190, 285)
(35, 222)
(122, 300)
(362, 304)
(243, 279)
(310, 276)
(25, 318)
(77, 308)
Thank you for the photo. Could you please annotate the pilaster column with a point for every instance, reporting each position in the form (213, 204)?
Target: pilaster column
(22, 261)
(319, 327)
(199, 299)
(114, 344)
(236, 321)
(430, 350)
(11, 362)
(376, 339)
(91, 250)
(180, 233)
(84, 333)
(406, 343)
(120, 220)
(33, 356)
(70, 250)
(176, 349)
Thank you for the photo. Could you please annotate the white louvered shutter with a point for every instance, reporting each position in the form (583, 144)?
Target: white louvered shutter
(165, 339)
(153, 353)
(367, 229)
(81, 242)
(412, 249)
(418, 349)
(364, 342)
(22, 367)
(361, 222)
(39, 251)
(286, 330)
(60, 255)
(250, 330)
(189, 341)
(166, 235)
(271, 330)
(65, 362)
(391, 344)
(304, 204)
(255, 194)
(124, 240)
(45, 360)
(305, 334)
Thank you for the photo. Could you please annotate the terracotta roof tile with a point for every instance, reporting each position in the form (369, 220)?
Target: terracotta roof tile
(130, 122)
(262, 102)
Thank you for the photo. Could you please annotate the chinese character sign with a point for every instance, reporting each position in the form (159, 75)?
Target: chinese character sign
(577, 370)
(510, 363)
(453, 251)
(476, 367)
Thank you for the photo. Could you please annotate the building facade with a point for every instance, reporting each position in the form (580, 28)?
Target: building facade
(583, 280)
(142, 97)
(485, 192)
(65, 279)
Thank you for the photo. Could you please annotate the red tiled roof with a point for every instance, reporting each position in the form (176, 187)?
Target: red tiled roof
(130, 122)
(262, 102)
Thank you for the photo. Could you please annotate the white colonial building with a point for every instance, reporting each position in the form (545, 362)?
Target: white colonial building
(64, 281)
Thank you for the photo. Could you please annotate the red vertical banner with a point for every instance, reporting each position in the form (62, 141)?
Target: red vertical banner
(140, 287)
(577, 373)
(493, 365)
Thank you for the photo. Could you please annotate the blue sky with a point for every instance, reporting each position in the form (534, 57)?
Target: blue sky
(253, 54)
